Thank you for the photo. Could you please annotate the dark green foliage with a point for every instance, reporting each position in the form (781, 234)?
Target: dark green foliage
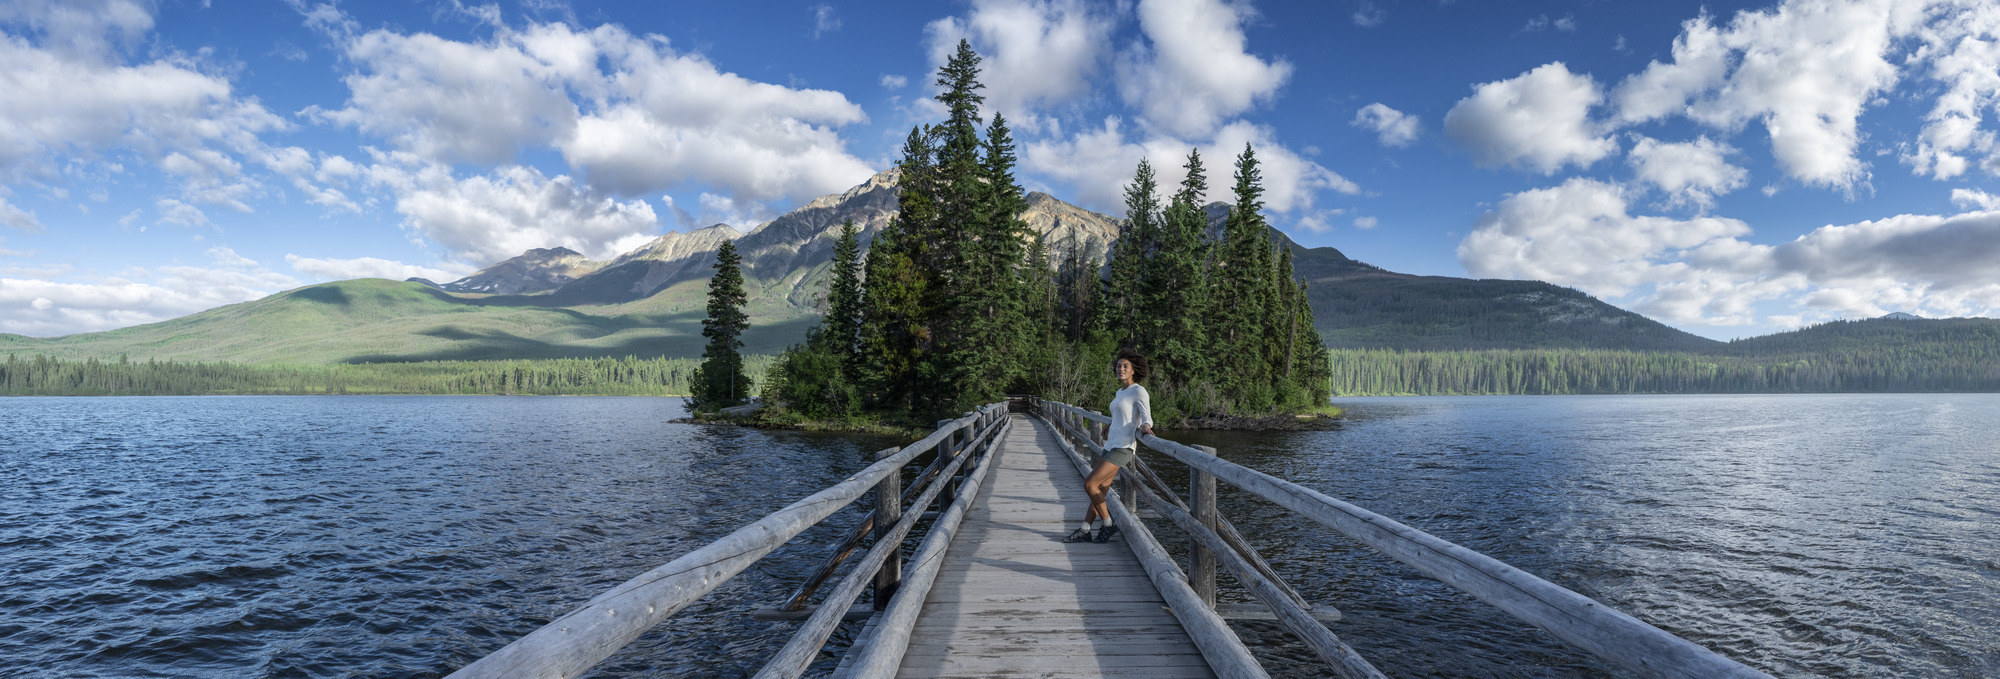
(721, 381)
(1130, 287)
(45, 376)
(842, 329)
(810, 380)
(1079, 310)
(953, 311)
(1176, 289)
(1911, 368)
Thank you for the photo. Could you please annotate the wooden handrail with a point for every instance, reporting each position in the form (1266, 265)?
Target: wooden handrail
(1583, 622)
(792, 660)
(577, 641)
(1225, 652)
(885, 649)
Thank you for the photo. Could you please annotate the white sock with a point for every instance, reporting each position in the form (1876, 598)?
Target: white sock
(1107, 521)
(1085, 526)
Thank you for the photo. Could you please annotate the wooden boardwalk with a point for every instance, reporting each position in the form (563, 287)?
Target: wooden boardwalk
(1013, 600)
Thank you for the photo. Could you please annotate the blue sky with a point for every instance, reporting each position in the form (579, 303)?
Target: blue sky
(1730, 169)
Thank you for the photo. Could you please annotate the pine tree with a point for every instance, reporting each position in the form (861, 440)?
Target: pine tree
(1176, 292)
(720, 381)
(1137, 245)
(1244, 342)
(843, 300)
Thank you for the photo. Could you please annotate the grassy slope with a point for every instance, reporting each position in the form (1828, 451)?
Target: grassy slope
(374, 320)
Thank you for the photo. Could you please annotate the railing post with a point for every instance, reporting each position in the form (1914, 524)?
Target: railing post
(888, 511)
(946, 448)
(1201, 562)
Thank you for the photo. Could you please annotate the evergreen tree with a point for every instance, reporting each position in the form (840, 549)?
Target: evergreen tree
(1244, 341)
(721, 382)
(899, 293)
(1177, 292)
(843, 300)
(1079, 290)
(1137, 245)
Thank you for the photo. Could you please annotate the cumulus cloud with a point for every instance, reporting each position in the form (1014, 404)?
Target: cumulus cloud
(1690, 173)
(1366, 222)
(1035, 53)
(487, 218)
(1391, 127)
(1702, 270)
(1193, 72)
(1539, 120)
(41, 307)
(1368, 15)
(1099, 163)
(17, 218)
(1964, 49)
(894, 82)
(629, 112)
(1975, 198)
(321, 270)
(63, 107)
(1804, 70)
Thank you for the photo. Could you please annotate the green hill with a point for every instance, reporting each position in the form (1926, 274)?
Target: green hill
(374, 320)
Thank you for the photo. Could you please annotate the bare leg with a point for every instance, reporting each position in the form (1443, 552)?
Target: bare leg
(1098, 485)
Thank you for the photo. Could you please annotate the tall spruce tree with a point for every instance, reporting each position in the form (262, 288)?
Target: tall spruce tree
(1176, 291)
(1244, 341)
(1137, 245)
(1079, 290)
(843, 300)
(720, 381)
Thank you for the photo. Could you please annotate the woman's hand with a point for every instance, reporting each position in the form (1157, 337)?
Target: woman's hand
(1146, 430)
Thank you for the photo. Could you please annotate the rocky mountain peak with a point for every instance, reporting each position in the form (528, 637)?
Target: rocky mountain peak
(536, 270)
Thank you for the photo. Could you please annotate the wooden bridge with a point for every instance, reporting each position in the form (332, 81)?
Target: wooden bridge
(992, 591)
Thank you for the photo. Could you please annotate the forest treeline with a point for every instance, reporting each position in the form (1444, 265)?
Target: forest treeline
(1935, 367)
(42, 375)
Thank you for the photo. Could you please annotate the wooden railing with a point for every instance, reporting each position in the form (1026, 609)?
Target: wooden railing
(1646, 650)
(575, 642)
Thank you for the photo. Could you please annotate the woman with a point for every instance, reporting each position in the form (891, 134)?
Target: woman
(1131, 415)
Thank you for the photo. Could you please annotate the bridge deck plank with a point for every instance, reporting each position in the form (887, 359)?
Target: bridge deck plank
(1013, 600)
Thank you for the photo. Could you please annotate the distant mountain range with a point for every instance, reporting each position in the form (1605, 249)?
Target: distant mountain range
(554, 302)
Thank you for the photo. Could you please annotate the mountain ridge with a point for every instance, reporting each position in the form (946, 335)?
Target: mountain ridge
(553, 302)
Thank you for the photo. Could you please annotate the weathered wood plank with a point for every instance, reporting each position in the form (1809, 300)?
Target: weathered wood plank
(1013, 600)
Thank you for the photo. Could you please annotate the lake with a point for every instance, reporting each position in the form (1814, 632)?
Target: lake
(1835, 535)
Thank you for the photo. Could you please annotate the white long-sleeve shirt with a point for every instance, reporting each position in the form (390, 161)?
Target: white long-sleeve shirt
(1130, 407)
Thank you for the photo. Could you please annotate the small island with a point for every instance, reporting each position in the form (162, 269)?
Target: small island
(959, 303)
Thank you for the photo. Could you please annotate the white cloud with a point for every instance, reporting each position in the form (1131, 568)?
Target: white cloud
(487, 218)
(1804, 69)
(673, 119)
(1034, 53)
(824, 20)
(1975, 198)
(1392, 127)
(1098, 164)
(1368, 15)
(321, 270)
(1194, 71)
(1539, 119)
(455, 101)
(894, 82)
(628, 112)
(227, 258)
(1366, 222)
(81, 29)
(181, 214)
(43, 308)
(1963, 46)
(1701, 270)
(17, 218)
(1690, 173)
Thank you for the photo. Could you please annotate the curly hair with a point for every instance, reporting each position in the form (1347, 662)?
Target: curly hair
(1139, 367)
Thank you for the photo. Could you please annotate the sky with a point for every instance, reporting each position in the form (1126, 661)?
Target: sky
(1730, 169)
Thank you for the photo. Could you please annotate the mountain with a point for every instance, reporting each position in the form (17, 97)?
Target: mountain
(537, 270)
(650, 302)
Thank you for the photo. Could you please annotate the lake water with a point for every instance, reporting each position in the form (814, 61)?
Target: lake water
(1840, 535)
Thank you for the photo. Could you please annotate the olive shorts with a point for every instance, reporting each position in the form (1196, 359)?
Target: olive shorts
(1122, 457)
